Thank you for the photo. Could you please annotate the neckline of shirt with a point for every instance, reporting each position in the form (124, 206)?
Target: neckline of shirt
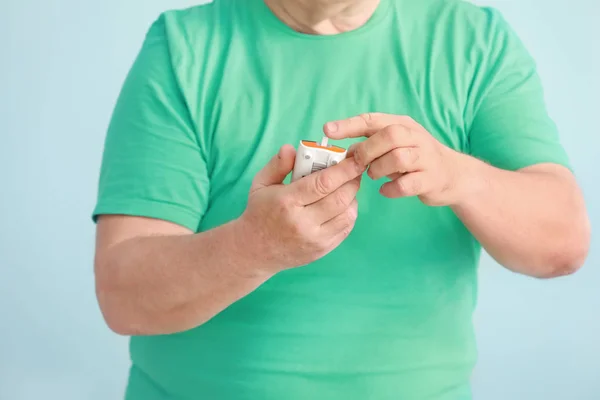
(378, 16)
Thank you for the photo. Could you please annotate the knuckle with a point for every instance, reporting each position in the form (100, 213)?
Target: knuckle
(415, 186)
(283, 203)
(366, 118)
(408, 133)
(345, 221)
(299, 229)
(352, 211)
(355, 185)
(396, 135)
(390, 134)
(346, 232)
(399, 159)
(407, 158)
(296, 229)
(304, 235)
(373, 171)
(284, 209)
(413, 155)
(401, 186)
(407, 187)
(349, 224)
(342, 198)
(358, 152)
(351, 214)
(323, 183)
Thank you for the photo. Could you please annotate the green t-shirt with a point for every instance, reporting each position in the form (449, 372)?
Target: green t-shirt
(214, 93)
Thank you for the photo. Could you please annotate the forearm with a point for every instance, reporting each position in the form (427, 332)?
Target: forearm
(533, 222)
(165, 284)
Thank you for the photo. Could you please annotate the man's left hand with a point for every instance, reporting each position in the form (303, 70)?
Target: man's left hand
(399, 148)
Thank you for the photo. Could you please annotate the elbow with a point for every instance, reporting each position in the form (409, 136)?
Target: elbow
(570, 257)
(564, 265)
(568, 249)
(122, 322)
(116, 316)
(138, 321)
(115, 305)
(123, 329)
(120, 326)
(129, 315)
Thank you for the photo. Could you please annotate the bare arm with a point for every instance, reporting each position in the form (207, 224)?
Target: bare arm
(154, 277)
(532, 221)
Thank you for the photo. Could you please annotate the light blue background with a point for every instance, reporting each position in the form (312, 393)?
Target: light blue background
(62, 65)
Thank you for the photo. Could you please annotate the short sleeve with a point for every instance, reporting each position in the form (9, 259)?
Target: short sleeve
(510, 126)
(152, 165)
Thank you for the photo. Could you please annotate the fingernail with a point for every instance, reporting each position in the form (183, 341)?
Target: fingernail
(332, 127)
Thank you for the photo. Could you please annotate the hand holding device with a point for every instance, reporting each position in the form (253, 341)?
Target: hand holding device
(292, 225)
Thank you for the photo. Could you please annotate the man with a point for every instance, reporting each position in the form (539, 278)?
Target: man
(236, 284)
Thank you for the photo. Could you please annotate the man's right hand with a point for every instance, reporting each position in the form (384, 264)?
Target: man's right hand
(293, 225)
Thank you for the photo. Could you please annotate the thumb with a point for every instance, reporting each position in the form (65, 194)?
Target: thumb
(277, 168)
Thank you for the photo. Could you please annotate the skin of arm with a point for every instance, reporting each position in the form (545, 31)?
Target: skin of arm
(154, 277)
(532, 221)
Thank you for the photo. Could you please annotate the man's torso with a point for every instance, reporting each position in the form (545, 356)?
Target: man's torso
(387, 315)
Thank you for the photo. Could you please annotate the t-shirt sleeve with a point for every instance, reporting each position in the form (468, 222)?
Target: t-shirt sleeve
(152, 165)
(510, 126)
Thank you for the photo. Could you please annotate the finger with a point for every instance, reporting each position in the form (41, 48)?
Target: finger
(398, 161)
(318, 185)
(335, 203)
(351, 150)
(276, 169)
(394, 176)
(413, 184)
(342, 223)
(365, 125)
(389, 138)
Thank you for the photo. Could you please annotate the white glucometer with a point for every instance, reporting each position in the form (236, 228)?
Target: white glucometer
(312, 157)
